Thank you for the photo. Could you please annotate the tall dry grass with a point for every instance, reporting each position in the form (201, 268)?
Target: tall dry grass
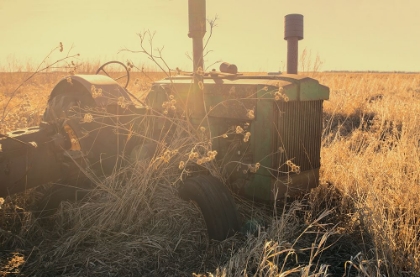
(371, 154)
(362, 220)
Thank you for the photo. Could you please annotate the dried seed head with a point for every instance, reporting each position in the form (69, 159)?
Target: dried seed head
(193, 155)
(96, 92)
(207, 159)
(280, 95)
(92, 89)
(250, 114)
(199, 71)
(211, 155)
(253, 168)
(246, 137)
(121, 102)
(239, 130)
(87, 118)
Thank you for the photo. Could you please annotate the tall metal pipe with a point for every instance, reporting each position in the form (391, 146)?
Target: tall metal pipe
(293, 32)
(197, 29)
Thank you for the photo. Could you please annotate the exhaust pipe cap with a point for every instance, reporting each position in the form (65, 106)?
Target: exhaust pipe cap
(293, 26)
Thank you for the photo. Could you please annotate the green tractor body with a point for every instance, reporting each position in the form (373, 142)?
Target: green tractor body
(282, 115)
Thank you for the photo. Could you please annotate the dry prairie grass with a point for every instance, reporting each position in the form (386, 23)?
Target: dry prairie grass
(362, 221)
(372, 155)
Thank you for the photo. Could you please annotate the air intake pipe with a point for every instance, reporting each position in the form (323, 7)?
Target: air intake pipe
(293, 32)
(197, 30)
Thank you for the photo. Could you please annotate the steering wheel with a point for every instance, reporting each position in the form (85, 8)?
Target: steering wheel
(118, 79)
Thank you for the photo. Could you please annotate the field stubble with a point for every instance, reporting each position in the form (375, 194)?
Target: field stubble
(361, 221)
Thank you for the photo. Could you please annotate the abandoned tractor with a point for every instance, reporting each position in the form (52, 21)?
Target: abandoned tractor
(276, 120)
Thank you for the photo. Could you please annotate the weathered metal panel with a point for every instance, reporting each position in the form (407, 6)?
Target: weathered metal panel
(299, 127)
(297, 88)
(311, 90)
(98, 89)
(232, 101)
(262, 148)
(27, 160)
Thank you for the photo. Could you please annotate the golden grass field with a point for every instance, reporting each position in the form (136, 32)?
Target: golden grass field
(361, 221)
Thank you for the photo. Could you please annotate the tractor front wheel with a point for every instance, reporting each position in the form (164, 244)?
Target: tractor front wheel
(216, 204)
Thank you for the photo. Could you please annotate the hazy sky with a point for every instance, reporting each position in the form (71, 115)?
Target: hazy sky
(345, 34)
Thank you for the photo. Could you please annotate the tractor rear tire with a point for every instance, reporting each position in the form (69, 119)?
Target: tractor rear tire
(216, 204)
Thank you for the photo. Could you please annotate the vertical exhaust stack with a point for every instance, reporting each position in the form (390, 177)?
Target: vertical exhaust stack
(293, 32)
(197, 30)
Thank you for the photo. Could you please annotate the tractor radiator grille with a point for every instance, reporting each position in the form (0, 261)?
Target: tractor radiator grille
(298, 136)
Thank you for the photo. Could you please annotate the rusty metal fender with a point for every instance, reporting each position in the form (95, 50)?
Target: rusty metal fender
(100, 89)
